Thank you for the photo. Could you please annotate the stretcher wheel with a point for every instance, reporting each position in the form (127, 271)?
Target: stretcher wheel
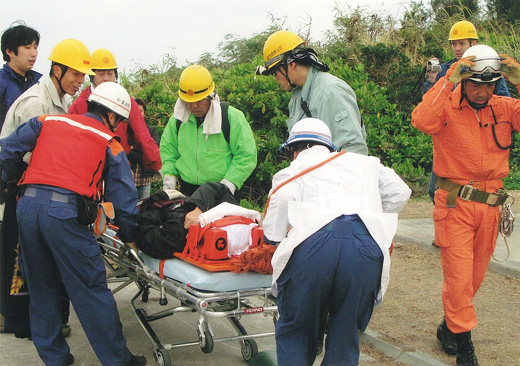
(162, 357)
(249, 349)
(207, 347)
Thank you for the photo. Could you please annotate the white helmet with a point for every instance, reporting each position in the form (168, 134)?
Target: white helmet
(488, 65)
(310, 130)
(112, 96)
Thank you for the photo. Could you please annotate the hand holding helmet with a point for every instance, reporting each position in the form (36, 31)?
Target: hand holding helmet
(511, 69)
(460, 70)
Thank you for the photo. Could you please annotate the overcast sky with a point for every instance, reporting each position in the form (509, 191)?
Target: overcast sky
(140, 32)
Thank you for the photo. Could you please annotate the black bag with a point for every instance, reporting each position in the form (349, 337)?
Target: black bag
(161, 229)
(87, 210)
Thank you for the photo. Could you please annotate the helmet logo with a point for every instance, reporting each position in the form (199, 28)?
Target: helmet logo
(106, 60)
(190, 92)
(455, 32)
(86, 62)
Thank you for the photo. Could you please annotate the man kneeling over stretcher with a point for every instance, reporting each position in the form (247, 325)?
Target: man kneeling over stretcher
(71, 157)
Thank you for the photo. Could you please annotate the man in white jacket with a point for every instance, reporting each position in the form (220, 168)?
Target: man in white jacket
(334, 216)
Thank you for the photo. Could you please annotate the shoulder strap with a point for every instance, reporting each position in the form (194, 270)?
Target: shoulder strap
(300, 174)
(225, 121)
(179, 122)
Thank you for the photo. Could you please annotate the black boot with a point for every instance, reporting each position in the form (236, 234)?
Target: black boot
(447, 339)
(465, 350)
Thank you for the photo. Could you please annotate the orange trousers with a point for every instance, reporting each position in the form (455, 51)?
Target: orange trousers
(467, 236)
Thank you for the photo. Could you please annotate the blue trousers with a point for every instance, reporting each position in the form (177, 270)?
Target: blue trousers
(339, 267)
(55, 247)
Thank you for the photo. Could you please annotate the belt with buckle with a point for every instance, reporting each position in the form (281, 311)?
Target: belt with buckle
(473, 191)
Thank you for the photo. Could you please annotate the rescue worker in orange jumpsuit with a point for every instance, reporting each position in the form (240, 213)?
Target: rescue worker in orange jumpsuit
(471, 131)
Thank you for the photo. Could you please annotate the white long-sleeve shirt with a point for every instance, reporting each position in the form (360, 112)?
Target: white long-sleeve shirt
(350, 184)
(41, 98)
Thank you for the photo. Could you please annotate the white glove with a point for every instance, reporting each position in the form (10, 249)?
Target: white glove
(169, 182)
(173, 193)
(230, 185)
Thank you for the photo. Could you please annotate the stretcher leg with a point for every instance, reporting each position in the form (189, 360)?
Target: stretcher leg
(205, 335)
(248, 347)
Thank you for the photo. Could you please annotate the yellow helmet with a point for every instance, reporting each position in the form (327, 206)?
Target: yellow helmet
(277, 45)
(103, 59)
(463, 30)
(74, 54)
(195, 84)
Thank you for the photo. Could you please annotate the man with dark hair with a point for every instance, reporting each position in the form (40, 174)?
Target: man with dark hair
(19, 46)
(19, 50)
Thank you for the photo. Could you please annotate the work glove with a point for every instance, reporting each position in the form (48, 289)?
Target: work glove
(173, 193)
(460, 70)
(169, 182)
(232, 188)
(158, 175)
(511, 69)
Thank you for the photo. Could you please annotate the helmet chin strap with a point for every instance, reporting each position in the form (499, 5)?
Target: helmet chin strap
(476, 106)
(63, 71)
(286, 75)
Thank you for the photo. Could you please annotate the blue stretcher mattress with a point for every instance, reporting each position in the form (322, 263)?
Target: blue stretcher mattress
(200, 279)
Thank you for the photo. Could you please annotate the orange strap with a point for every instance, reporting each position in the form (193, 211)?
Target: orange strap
(300, 174)
(161, 268)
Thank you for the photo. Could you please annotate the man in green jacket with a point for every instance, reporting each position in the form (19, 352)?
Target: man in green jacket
(315, 92)
(201, 144)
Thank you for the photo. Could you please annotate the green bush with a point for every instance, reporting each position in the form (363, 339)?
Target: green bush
(384, 64)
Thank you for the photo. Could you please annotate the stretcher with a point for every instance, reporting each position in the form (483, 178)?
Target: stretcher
(211, 294)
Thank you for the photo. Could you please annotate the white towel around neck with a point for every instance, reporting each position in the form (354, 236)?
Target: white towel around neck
(212, 121)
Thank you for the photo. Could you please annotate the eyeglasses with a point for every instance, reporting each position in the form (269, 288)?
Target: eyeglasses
(275, 69)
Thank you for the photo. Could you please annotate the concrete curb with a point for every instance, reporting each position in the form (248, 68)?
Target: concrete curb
(416, 358)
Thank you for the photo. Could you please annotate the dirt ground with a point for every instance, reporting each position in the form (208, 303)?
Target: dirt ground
(412, 307)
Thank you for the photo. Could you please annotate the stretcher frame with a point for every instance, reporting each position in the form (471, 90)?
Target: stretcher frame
(124, 265)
